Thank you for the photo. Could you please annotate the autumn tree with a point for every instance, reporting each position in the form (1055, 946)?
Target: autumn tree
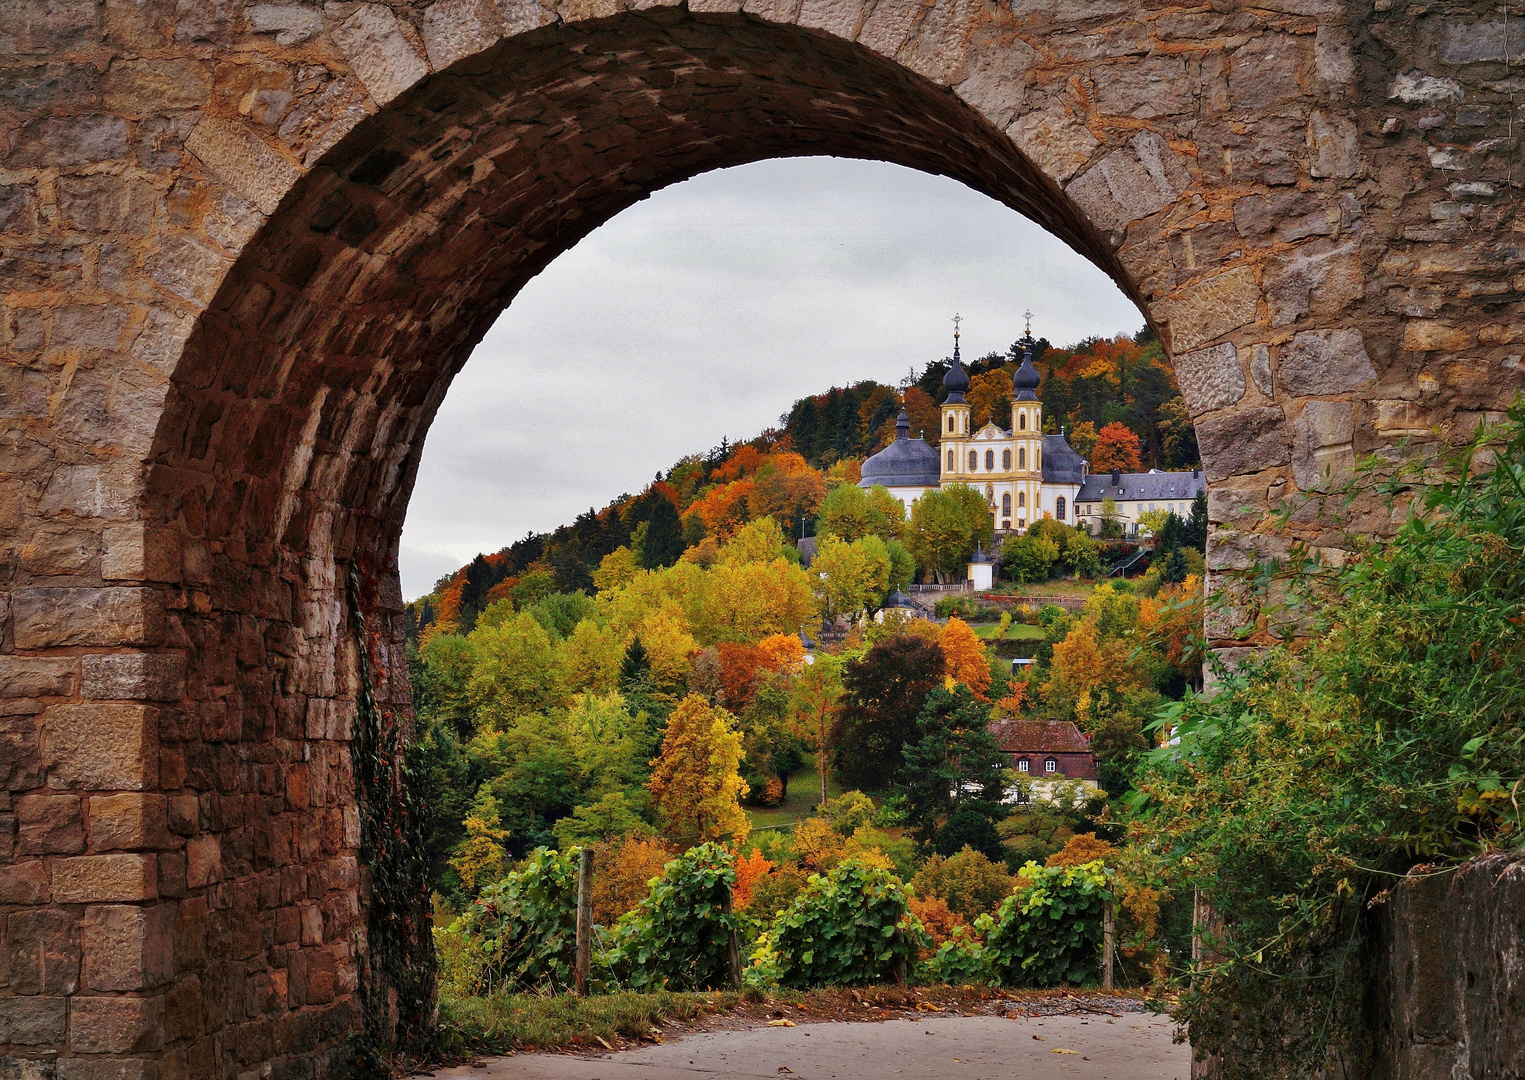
(921, 410)
(815, 702)
(695, 780)
(849, 578)
(518, 669)
(884, 693)
(1116, 450)
(964, 657)
(1083, 438)
(945, 526)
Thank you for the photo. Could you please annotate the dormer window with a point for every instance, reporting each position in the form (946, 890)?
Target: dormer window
(1024, 766)
(1050, 765)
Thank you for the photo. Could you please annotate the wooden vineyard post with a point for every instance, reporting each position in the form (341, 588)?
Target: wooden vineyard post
(1196, 933)
(733, 948)
(584, 917)
(1108, 933)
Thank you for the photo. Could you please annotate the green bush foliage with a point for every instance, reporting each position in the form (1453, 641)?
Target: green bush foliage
(1048, 933)
(678, 938)
(1392, 738)
(849, 927)
(521, 934)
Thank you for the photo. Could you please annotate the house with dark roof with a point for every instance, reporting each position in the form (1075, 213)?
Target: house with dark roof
(1046, 751)
(1135, 494)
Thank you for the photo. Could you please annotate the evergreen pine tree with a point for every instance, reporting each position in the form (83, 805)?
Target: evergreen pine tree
(954, 765)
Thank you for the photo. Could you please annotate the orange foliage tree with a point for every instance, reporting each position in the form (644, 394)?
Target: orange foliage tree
(964, 658)
(695, 780)
(1116, 448)
(749, 871)
(622, 873)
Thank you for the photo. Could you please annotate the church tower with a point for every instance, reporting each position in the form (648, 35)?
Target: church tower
(955, 419)
(1027, 434)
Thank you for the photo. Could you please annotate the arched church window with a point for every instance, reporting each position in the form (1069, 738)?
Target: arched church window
(1059, 508)
(989, 460)
(1006, 504)
(950, 460)
(1021, 457)
(950, 421)
(1006, 460)
(1021, 498)
(1038, 459)
(974, 460)
(1022, 421)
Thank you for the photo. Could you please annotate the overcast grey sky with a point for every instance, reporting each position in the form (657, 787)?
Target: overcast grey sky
(704, 312)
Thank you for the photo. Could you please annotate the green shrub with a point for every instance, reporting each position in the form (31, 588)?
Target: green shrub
(963, 958)
(521, 934)
(678, 938)
(1048, 933)
(851, 926)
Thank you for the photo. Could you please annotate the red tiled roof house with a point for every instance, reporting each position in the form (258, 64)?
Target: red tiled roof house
(1046, 749)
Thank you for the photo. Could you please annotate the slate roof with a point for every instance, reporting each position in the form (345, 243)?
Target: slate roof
(1061, 463)
(1132, 487)
(1039, 737)
(906, 462)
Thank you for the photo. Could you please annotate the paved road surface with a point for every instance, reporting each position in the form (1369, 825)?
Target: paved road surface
(1134, 1046)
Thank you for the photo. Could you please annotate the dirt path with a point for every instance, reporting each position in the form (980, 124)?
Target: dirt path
(1133, 1046)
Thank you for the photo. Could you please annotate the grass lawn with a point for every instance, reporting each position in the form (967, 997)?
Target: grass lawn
(804, 793)
(1014, 632)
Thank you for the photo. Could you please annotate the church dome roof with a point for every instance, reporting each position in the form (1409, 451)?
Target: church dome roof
(956, 381)
(906, 462)
(1025, 380)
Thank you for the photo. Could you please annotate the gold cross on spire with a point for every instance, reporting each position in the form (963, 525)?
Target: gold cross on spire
(1028, 315)
(956, 320)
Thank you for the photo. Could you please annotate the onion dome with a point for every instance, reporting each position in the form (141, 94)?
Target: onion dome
(1025, 380)
(979, 555)
(957, 379)
(899, 601)
(906, 462)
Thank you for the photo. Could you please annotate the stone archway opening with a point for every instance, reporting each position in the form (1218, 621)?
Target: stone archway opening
(285, 455)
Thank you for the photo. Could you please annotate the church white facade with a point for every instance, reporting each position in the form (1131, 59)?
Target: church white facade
(1024, 475)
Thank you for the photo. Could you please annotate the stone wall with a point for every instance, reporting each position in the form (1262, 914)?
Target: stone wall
(244, 247)
(1449, 994)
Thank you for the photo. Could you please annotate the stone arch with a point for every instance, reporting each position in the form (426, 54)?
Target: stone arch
(246, 245)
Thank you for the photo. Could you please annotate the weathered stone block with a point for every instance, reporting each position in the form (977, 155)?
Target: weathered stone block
(25, 883)
(128, 822)
(160, 83)
(243, 160)
(1325, 362)
(1054, 142)
(1429, 335)
(59, 142)
(33, 1021)
(1210, 378)
(127, 947)
(137, 552)
(1317, 280)
(1333, 146)
(1323, 444)
(114, 1069)
(48, 618)
(133, 676)
(42, 952)
(203, 861)
(1260, 369)
(104, 879)
(381, 52)
(1479, 42)
(453, 29)
(100, 747)
(115, 1025)
(38, 676)
(1210, 309)
(184, 814)
(1243, 442)
(1131, 183)
(50, 825)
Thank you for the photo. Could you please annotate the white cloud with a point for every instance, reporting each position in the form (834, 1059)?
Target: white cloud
(704, 312)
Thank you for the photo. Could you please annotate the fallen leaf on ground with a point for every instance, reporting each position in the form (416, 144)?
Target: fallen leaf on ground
(1058, 1051)
(786, 1069)
(781, 1023)
(1038, 1037)
(606, 1046)
(927, 1006)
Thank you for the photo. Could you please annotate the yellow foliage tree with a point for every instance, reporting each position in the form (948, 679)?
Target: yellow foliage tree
(665, 637)
(964, 658)
(695, 780)
(593, 654)
(748, 601)
(818, 845)
(616, 570)
(518, 670)
(479, 859)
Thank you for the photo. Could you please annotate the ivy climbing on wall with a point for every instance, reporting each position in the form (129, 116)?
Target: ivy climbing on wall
(397, 968)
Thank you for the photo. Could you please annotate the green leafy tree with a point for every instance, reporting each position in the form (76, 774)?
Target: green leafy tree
(885, 692)
(954, 763)
(518, 670)
(850, 577)
(1029, 558)
(848, 513)
(945, 526)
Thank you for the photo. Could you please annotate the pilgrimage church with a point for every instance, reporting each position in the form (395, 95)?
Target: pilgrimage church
(1025, 475)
